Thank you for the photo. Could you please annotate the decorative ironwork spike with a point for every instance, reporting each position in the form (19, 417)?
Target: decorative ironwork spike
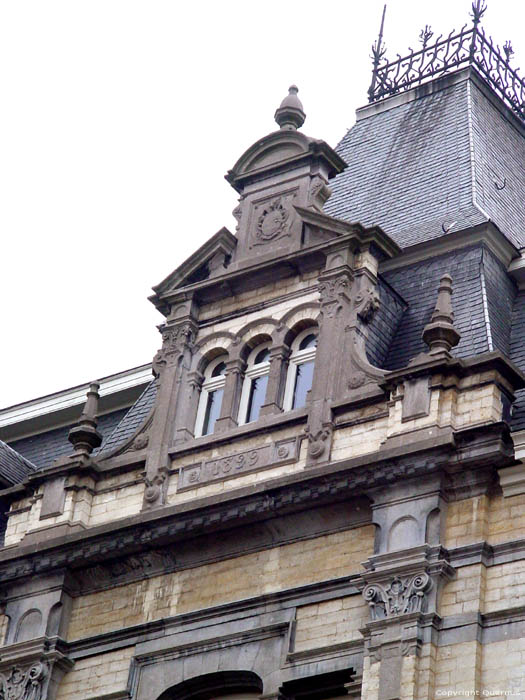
(509, 51)
(425, 35)
(378, 51)
(479, 7)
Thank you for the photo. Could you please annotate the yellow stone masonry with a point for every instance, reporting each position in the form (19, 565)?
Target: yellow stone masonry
(467, 521)
(331, 622)
(503, 669)
(266, 293)
(97, 676)
(300, 563)
(458, 669)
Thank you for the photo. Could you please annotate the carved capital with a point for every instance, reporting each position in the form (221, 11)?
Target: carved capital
(175, 340)
(24, 683)
(334, 292)
(399, 596)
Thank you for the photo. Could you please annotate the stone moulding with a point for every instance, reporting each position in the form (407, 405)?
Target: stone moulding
(322, 484)
(228, 467)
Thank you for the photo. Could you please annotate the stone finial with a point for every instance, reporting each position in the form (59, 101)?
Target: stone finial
(290, 114)
(440, 334)
(84, 436)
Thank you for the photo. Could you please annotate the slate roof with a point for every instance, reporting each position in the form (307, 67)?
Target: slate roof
(42, 449)
(517, 354)
(13, 467)
(132, 421)
(428, 166)
(483, 297)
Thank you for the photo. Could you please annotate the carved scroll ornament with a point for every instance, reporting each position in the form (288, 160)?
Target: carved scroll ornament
(399, 597)
(22, 684)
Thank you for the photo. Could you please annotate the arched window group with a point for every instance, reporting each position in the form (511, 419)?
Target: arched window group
(254, 382)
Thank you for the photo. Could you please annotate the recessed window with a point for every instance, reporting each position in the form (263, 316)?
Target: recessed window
(300, 370)
(255, 383)
(211, 396)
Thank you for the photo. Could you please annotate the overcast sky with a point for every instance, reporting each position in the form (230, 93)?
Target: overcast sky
(119, 119)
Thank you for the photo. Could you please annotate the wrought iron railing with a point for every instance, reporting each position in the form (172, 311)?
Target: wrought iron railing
(468, 47)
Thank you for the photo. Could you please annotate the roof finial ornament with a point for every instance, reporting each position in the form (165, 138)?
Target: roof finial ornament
(425, 35)
(509, 51)
(479, 7)
(440, 334)
(290, 114)
(84, 436)
(378, 51)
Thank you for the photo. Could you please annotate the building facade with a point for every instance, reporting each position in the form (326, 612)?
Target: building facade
(321, 491)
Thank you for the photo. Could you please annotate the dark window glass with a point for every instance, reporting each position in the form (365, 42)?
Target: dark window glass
(262, 356)
(303, 383)
(256, 399)
(219, 370)
(213, 410)
(309, 342)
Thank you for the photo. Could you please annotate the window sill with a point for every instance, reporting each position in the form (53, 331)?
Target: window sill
(263, 425)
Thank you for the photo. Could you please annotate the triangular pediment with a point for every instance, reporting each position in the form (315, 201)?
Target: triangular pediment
(211, 259)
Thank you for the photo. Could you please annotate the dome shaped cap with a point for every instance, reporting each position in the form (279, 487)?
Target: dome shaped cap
(290, 114)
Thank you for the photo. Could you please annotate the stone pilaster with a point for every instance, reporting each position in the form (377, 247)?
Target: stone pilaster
(171, 364)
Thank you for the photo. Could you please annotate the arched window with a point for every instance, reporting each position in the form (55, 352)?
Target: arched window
(300, 369)
(255, 383)
(211, 396)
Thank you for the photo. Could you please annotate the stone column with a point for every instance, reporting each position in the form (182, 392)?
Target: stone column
(232, 394)
(279, 355)
(190, 393)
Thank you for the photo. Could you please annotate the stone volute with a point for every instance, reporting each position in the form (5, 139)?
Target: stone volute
(440, 334)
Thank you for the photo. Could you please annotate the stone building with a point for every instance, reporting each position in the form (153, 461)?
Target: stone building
(320, 494)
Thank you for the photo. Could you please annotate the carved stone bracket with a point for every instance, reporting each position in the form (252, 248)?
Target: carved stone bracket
(155, 489)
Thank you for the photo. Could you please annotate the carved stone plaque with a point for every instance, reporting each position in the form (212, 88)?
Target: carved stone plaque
(231, 466)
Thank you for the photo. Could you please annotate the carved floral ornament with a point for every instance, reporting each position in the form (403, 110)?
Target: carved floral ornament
(400, 596)
(331, 292)
(174, 340)
(21, 684)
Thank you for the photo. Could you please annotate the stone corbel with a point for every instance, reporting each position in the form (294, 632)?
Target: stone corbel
(155, 489)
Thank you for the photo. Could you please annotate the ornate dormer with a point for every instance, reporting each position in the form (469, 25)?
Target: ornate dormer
(277, 174)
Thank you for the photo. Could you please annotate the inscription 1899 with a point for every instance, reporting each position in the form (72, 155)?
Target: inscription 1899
(233, 465)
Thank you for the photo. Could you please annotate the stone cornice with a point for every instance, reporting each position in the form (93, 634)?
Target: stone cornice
(298, 491)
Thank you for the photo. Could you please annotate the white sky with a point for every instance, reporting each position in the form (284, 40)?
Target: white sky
(119, 119)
